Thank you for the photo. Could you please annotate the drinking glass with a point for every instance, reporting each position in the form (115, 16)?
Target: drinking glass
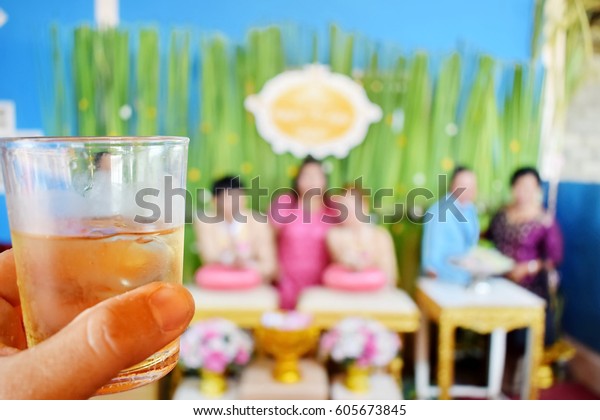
(92, 218)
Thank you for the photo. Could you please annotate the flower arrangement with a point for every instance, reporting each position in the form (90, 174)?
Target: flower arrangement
(362, 342)
(359, 345)
(215, 345)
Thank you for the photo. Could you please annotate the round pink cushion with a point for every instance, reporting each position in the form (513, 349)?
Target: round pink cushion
(216, 276)
(339, 277)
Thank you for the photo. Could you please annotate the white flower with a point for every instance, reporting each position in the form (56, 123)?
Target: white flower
(349, 325)
(419, 179)
(349, 347)
(387, 348)
(451, 129)
(125, 112)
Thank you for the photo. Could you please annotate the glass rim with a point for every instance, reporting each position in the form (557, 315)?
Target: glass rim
(116, 140)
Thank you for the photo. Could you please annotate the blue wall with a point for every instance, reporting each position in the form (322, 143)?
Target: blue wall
(21, 52)
(578, 213)
(499, 27)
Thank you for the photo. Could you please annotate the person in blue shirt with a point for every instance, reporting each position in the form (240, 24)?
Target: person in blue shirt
(451, 229)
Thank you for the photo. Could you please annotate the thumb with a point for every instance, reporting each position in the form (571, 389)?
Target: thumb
(100, 342)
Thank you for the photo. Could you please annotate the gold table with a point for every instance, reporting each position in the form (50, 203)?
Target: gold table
(504, 306)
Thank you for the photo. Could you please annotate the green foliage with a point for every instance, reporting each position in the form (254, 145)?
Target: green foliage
(101, 78)
(147, 83)
(478, 130)
(178, 83)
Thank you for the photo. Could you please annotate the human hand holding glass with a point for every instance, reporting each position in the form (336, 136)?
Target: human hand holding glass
(92, 219)
(93, 348)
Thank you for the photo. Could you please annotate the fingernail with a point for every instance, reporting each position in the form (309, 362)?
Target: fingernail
(170, 307)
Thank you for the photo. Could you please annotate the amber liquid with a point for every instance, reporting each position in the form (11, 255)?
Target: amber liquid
(60, 276)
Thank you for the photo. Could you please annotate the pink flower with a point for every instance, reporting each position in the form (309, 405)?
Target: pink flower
(328, 341)
(242, 357)
(214, 345)
(370, 347)
(215, 362)
(209, 334)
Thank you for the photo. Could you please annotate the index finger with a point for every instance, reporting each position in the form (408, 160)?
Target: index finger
(8, 278)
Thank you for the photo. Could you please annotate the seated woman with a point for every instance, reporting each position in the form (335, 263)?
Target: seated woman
(301, 219)
(524, 231)
(362, 253)
(237, 249)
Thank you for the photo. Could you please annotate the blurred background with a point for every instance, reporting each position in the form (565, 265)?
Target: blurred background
(493, 85)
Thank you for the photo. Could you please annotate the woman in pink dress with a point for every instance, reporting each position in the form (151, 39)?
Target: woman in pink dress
(301, 219)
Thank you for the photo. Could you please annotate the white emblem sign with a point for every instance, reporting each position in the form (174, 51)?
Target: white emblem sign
(313, 111)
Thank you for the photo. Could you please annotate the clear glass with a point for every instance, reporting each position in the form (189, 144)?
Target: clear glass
(92, 218)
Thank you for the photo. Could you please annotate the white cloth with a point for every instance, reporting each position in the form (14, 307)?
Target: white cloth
(264, 298)
(501, 293)
(384, 301)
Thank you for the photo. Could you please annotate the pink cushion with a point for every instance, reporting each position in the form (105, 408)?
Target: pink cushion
(339, 277)
(216, 276)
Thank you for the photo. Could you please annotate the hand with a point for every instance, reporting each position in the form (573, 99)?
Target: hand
(90, 351)
(242, 261)
(354, 262)
(553, 281)
(519, 272)
(227, 258)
